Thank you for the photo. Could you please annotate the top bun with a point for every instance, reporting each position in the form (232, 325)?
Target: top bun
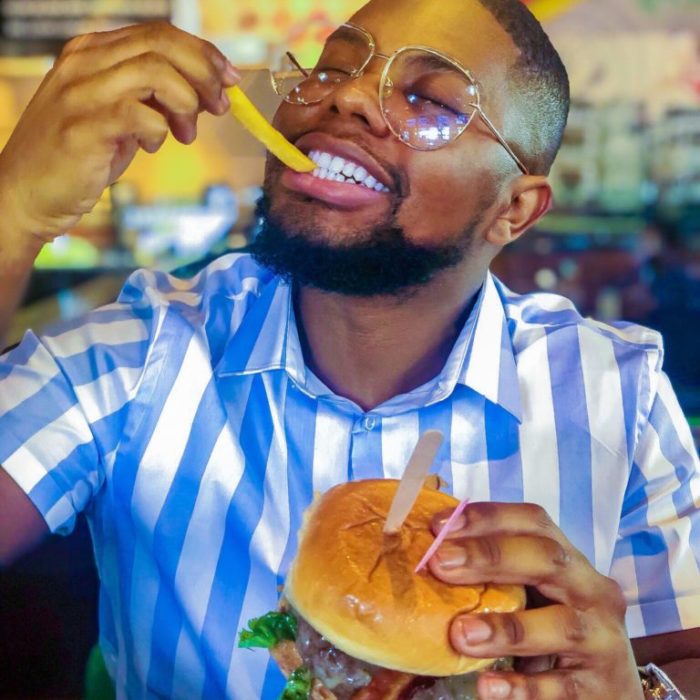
(357, 588)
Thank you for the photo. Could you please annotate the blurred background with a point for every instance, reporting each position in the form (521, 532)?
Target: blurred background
(622, 242)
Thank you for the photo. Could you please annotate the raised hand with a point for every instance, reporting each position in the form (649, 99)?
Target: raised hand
(107, 95)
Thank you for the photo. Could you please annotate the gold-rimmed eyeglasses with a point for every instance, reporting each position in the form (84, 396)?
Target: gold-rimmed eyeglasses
(427, 99)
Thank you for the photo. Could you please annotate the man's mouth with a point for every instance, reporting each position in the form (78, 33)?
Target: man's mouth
(347, 176)
(337, 169)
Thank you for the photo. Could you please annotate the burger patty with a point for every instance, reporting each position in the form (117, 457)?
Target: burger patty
(339, 672)
(345, 675)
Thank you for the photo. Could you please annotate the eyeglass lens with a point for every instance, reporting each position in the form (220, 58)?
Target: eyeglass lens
(426, 101)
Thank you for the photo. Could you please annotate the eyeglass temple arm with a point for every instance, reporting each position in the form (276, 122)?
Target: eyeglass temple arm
(293, 59)
(501, 140)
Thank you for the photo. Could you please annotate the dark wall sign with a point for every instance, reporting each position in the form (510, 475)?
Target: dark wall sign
(43, 26)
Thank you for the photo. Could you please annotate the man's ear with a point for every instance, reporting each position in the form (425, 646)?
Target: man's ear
(531, 199)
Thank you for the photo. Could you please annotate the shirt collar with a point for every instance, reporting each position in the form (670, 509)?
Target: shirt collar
(488, 365)
(481, 359)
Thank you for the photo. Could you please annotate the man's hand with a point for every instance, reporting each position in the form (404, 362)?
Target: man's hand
(575, 647)
(107, 95)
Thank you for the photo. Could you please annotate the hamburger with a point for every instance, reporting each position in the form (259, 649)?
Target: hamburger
(355, 622)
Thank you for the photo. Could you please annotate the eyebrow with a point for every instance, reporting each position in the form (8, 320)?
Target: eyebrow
(428, 60)
(343, 34)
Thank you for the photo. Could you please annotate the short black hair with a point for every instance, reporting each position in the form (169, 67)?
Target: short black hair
(540, 85)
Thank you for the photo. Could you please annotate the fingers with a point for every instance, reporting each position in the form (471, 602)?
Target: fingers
(549, 685)
(199, 62)
(128, 120)
(560, 573)
(519, 543)
(481, 518)
(134, 80)
(556, 629)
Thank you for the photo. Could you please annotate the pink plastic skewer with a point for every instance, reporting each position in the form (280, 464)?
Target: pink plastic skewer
(441, 535)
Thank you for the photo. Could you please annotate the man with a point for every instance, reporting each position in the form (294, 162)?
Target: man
(193, 420)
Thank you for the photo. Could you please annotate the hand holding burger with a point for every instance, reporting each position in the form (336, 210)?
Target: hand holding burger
(356, 622)
(575, 647)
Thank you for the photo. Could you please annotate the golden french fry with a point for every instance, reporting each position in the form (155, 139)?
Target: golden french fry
(249, 116)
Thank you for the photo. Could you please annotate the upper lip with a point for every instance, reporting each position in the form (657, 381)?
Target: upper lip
(318, 141)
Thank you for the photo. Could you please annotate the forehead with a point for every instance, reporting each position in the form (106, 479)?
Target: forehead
(463, 29)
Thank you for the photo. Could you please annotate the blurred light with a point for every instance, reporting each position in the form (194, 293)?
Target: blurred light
(546, 279)
(568, 269)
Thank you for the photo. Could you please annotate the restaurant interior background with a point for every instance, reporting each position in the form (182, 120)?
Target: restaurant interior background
(622, 242)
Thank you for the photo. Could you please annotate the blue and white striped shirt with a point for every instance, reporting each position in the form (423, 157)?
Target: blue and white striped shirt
(183, 421)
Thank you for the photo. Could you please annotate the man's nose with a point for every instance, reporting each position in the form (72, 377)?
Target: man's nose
(359, 98)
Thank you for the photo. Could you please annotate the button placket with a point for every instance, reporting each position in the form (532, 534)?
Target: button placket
(369, 422)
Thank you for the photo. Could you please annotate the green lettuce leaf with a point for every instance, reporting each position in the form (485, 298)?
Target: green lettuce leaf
(298, 685)
(267, 631)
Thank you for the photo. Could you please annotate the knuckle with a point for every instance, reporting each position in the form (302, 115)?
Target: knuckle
(488, 550)
(616, 597)
(537, 514)
(575, 626)
(557, 554)
(152, 59)
(73, 45)
(611, 599)
(512, 628)
(155, 33)
(479, 511)
(189, 102)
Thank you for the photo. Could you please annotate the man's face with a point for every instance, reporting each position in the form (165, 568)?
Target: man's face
(437, 200)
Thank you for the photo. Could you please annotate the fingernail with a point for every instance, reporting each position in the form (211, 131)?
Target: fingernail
(230, 73)
(449, 556)
(497, 689)
(475, 631)
(224, 101)
(458, 524)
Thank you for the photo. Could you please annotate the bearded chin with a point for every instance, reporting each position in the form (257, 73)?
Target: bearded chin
(384, 263)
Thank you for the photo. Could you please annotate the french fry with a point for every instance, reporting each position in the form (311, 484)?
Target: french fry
(249, 116)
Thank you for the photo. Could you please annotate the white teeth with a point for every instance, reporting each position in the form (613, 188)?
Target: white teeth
(338, 169)
(360, 174)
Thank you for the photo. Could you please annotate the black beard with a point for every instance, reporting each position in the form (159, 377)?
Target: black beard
(385, 264)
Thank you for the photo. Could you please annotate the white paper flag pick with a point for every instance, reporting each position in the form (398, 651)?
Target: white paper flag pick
(412, 480)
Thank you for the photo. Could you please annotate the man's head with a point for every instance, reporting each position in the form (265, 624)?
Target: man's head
(462, 201)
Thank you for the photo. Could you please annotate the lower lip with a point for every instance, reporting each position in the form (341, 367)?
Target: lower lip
(339, 194)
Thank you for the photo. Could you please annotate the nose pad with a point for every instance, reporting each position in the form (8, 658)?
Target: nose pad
(388, 89)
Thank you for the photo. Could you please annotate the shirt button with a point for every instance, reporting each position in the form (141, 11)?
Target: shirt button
(369, 422)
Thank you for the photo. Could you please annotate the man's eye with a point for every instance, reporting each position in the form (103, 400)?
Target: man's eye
(332, 72)
(416, 99)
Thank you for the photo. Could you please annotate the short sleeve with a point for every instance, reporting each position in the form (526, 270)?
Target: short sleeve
(67, 397)
(657, 555)
(64, 398)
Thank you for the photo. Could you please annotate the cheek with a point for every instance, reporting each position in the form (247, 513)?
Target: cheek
(444, 200)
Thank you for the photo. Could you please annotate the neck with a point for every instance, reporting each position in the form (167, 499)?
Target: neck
(372, 349)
